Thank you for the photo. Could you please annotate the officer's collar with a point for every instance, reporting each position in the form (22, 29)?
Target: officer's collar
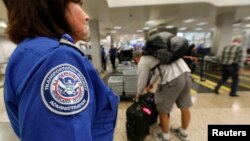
(67, 40)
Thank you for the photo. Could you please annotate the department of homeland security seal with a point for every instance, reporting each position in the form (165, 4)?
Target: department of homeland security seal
(64, 90)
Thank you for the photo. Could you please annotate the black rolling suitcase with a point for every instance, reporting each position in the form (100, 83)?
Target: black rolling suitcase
(140, 115)
(147, 100)
(137, 123)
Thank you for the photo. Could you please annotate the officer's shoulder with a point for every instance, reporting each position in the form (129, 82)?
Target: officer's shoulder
(65, 44)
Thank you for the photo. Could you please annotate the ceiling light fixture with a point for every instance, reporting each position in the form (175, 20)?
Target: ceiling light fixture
(139, 30)
(202, 23)
(247, 25)
(247, 18)
(183, 28)
(151, 22)
(170, 26)
(198, 29)
(117, 27)
(189, 20)
(212, 29)
(113, 31)
(237, 25)
(3, 24)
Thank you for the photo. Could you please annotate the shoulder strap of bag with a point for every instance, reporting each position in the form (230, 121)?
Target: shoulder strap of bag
(169, 43)
(159, 69)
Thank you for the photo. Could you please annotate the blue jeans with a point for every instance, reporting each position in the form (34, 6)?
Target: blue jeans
(229, 71)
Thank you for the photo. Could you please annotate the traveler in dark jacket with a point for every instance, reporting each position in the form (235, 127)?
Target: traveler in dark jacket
(104, 61)
(190, 58)
(112, 55)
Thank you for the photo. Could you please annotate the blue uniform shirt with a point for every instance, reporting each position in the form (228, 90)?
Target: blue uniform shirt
(112, 52)
(53, 93)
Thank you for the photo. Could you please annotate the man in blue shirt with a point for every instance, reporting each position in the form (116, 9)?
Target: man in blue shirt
(112, 53)
(104, 61)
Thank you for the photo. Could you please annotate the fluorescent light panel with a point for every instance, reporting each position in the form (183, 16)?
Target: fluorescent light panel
(117, 27)
(170, 26)
(139, 30)
(212, 29)
(247, 25)
(247, 18)
(237, 25)
(113, 31)
(151, 22)
(3, 24)
(189, 20)
(198, 29)
(183, 28)
(202, 23)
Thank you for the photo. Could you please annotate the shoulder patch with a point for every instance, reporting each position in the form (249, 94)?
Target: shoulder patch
(65, 90)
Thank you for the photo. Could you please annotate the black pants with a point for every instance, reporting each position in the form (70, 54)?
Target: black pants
(104, 64)
(192, 66)
(229, 71)
(112, 59)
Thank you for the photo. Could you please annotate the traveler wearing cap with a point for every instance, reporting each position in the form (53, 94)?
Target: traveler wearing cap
(174, 87)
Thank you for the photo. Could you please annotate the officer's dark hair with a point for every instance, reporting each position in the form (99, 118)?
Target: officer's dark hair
(32, 18)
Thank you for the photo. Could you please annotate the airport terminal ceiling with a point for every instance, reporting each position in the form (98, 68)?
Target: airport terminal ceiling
(218, 3)
(135, 19)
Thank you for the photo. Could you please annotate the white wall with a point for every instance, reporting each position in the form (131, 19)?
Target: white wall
(6, 48)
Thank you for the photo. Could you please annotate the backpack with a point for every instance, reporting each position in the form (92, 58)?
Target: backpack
(166, 47)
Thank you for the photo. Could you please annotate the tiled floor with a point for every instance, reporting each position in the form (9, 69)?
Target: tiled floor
(208, 109)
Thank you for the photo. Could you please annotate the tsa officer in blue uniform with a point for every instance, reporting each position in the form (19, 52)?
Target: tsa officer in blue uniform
(52, 92)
